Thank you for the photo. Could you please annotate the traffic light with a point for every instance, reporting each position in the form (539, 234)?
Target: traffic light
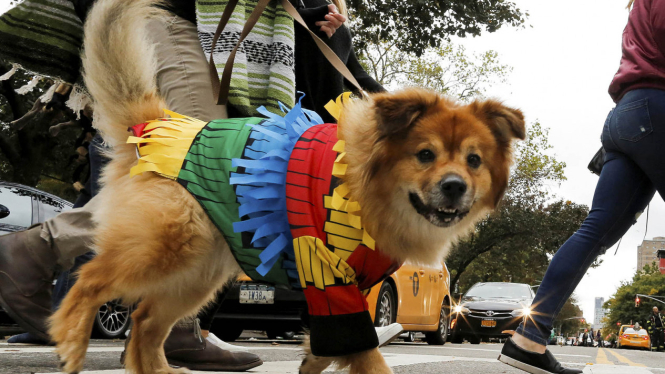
(637, 301)
(583, 322)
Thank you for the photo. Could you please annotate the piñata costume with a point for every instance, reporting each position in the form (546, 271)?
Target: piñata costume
(271, 186)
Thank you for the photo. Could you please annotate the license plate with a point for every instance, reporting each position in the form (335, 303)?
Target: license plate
(257, 294)
(488, 323)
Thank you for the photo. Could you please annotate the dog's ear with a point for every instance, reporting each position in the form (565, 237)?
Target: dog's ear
(397, 112)
(506, 123)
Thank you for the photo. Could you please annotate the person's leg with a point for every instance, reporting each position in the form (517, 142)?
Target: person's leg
(183, 77)
(622, 193)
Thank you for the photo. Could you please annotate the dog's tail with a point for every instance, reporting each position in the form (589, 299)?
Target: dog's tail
(119, 66)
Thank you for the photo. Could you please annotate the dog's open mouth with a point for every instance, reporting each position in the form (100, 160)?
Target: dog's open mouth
(438, 216)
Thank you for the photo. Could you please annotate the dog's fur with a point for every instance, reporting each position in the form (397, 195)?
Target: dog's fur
(157, 245)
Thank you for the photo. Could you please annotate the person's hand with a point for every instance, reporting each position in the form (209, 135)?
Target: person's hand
(333, 20)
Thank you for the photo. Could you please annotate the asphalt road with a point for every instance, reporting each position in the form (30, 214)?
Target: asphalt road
(284, 357)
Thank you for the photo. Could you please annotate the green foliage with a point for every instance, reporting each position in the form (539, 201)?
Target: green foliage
(621, 306)
(516, 243)
(413, 26)
(566, 322)
(448, 69)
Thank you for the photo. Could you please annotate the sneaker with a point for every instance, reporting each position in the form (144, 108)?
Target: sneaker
(531, 362)
(388, 333)
(28, 338)
(212, 339)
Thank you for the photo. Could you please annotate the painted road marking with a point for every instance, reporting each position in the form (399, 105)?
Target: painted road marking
(624, 360)
(35, 349)
(601, 358)
(497, 351)
(614, 369)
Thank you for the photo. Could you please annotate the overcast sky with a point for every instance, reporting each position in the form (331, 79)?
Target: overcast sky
(562, 68)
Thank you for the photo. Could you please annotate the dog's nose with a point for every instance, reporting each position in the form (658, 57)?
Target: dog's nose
(453, 187)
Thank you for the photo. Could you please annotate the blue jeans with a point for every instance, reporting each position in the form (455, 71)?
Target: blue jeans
(633, 170)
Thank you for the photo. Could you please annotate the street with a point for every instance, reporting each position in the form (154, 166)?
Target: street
(285, 356)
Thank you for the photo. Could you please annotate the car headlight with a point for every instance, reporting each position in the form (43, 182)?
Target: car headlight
(461, 309)
(524, 312)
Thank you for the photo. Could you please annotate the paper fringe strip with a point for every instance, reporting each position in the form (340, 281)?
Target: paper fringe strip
(340, 199)
(262, 194)
(164, 144)
(45, 98)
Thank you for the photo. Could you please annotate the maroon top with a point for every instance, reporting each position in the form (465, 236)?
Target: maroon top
(643, 50)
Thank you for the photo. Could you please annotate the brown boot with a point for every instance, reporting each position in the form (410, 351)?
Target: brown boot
(27, 266)
(186, 347)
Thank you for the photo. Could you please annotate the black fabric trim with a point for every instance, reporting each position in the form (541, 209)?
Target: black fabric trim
(341, 335)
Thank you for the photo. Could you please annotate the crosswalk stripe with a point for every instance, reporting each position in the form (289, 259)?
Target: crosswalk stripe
(497, 351)
(624, 360)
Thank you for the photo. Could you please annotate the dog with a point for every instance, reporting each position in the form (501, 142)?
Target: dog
(423, 168)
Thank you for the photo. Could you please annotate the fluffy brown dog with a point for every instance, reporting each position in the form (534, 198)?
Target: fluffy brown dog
(423, 168)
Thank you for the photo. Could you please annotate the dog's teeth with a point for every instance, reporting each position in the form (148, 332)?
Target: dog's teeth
(447, 220)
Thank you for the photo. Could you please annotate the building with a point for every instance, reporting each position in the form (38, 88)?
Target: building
(598, 313)
(647, 252)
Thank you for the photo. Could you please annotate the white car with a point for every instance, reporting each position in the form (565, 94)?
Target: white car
(21, 207)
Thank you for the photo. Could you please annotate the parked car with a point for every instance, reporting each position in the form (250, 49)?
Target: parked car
(415, 296)
(21, 207)
(634, 337)
(489, 308)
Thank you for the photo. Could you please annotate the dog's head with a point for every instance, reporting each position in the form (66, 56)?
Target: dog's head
(431, 162)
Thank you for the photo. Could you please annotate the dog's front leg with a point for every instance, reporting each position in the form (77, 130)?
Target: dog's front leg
(368, 362)
(314, 364)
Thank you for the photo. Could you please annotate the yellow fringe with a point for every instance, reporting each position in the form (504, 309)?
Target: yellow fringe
(339, 200)
(163, 149)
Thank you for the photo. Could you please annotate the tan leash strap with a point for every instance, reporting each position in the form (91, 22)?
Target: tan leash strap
(214, 78)
(327, 52)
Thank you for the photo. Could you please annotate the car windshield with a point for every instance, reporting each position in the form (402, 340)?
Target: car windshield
(499, 291)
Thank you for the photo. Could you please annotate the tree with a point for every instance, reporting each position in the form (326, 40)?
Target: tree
(516, 242)
(417, 25)
(448, 69)
(567, 322)
(621, 306)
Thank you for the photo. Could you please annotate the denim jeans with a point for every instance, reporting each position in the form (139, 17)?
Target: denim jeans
(633, 170)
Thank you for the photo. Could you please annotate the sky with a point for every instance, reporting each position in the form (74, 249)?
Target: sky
(563, 62)
(562, 67)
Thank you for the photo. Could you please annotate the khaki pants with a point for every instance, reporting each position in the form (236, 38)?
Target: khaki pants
(184, 83)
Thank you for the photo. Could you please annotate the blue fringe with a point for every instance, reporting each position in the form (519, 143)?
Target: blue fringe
(261, 190)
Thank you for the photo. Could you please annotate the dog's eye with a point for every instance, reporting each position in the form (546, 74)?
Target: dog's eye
(473, 160)
(426, 155)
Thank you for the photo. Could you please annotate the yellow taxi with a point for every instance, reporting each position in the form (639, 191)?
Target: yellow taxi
(418, 298)
(633, 336)
(415, 296)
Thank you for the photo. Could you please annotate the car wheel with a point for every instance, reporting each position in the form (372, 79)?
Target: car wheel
(440, 336)
(474, 340)
(385, 306)
(410, 337)
(226, 332)
(112, 320)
